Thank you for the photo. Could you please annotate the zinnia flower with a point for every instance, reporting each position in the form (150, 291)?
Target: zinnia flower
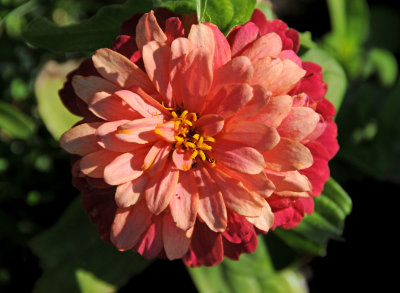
(192, 142)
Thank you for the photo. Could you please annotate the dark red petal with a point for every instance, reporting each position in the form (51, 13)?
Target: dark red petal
(173, 29)
(233, 251)
(126, 45)
(260, 20)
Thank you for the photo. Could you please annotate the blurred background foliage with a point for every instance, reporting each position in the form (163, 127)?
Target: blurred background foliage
(360, 40)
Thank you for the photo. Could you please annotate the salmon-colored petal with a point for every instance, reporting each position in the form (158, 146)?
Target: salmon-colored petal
(196, 77)
(237, 71)
(265, 221)
(288, 155)
(269, 45)
(291, 55)
(87, 86)
(229, 100)
(160, 189)
(238, 157)
(182, 159)
(166, 131)
(139, 131)
(300, 122)
(120, 70)
(266, 71)
(258, 183)
(180, 47)
(289, 77)
(209, 125)
(245, 35)
(253, 134)
(238, 198)
(202, 36)
(152, 154)
(289, 181)
(81, 139)
(156, 58)
(93, 164)
(160, 160)
(129, 224)
(275, 111)
(211, 208)
(137, 103)
(222, 52)
(148, 30)
(108, 140)
(184, 202)
(260, 98)
(176, 244)
(129, 193)
(124, 168)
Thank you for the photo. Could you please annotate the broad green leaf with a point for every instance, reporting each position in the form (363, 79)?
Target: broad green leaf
(246, 275)
(52, 111)
(384, 64)
(75, 259)
(224, 13)
(88, 35)
(14, 122)
(327, 222)
(333, 73)
(266, 8)
(286, 281)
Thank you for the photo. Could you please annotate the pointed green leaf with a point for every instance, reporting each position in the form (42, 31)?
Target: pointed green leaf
(75, 259)
(14, 122)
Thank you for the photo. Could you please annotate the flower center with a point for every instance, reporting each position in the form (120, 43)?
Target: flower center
(188, 139)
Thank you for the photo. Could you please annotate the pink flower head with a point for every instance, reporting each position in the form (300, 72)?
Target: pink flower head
(191, 142)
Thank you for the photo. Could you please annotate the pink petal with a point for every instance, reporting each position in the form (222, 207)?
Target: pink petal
(238, 198)
(288, 155)
(139, 131)
(167, 131)
(148, 30)
(209, 125)
(129, 224)
(202, 36)
(275, 111)
(258, 183)
(81, 139)
(156, 58)
(108, 140)
(289, 77)
(196, 77)
(266, 71)
(238, 157)
(211, 207)
(269, 45)
(124, 168)
(245, 35)
(150, 244)
(300, 122)
(265, 221)
(93, 164)
(184, 202)
(182, 159)
(176, 244)
(237, 71)
(291, 55)
(253, 134)
(222, 53)
(229, 100)
(160, 189)
(120, 70)
(140, 105)
(260, 98)
(129, 193)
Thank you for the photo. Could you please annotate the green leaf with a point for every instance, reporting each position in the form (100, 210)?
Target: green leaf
(88, 35)
(52, 111)
(224, 13)
(266, 8)
(327, 222)
(384, 64)
(75, 259)
(333, 73)
(14, 122)
(246, 275)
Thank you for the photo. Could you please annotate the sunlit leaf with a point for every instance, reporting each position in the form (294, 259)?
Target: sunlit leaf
(334, 74)
(14, 122)
(384, 64)
(52, 111)
(74, 258)
(327, 222)
(88, 35)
